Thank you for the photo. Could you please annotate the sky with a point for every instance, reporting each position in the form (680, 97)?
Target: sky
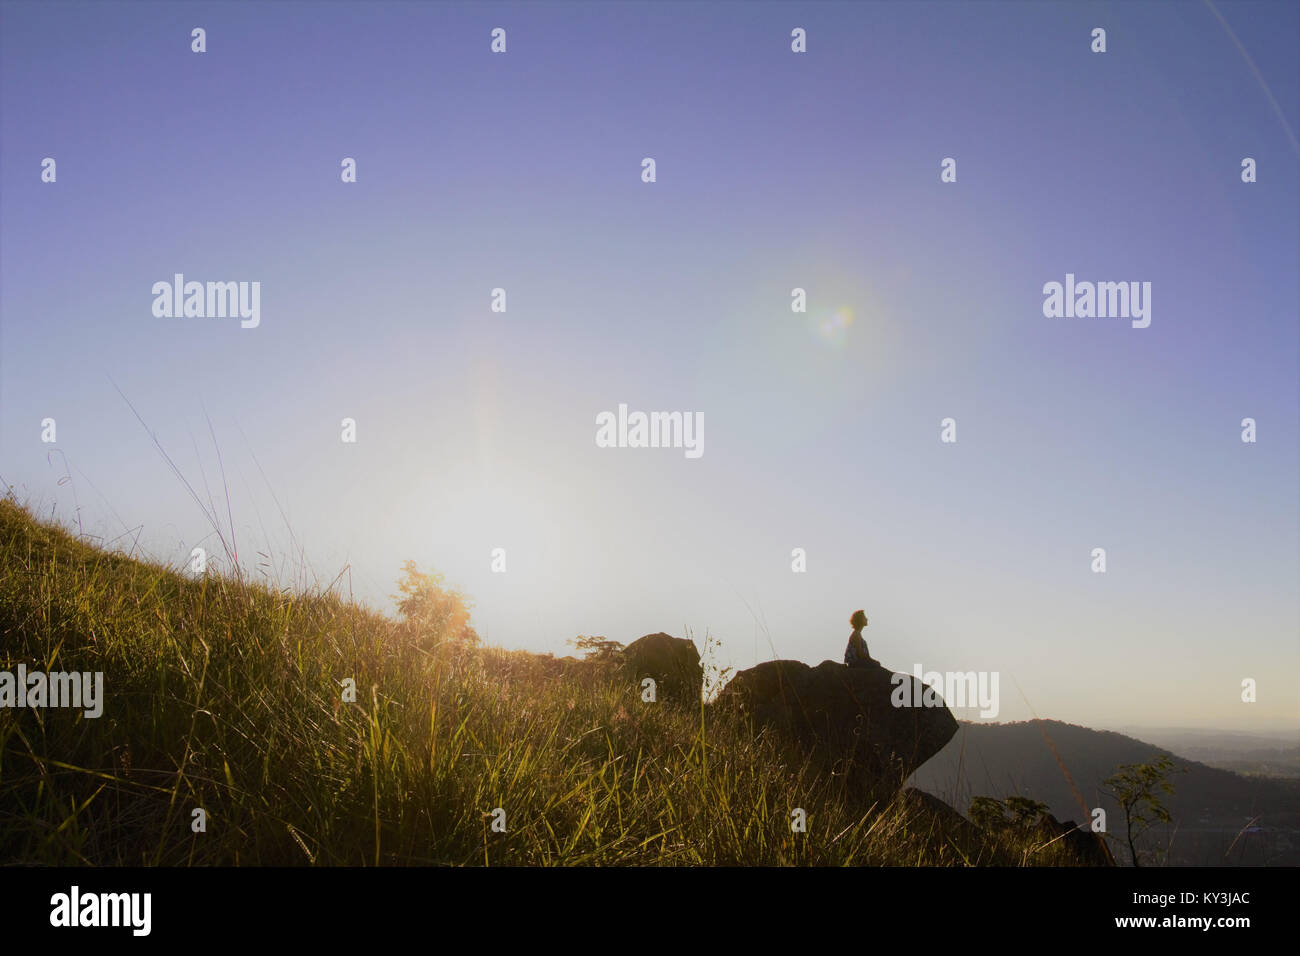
(774, 170)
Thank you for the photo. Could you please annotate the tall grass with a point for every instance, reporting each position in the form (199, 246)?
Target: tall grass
(227, 695)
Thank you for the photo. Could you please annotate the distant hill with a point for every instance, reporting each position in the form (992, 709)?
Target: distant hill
(1220, 817)
(1265, 754)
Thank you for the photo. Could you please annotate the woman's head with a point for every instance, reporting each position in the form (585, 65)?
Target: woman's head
(859, 619)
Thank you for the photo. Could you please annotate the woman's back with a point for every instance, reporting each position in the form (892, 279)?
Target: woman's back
(856, 654)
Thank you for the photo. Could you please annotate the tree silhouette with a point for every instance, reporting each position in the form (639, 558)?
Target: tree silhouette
(436, 613)
(1137, 787)
(1021, 812)
(597, 648)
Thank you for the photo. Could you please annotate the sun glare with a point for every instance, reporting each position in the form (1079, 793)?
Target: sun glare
(833, 329)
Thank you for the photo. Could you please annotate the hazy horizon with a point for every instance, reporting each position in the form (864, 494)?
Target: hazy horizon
(775, 170)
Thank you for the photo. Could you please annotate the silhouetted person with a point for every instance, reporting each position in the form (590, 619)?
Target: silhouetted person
(856, 654)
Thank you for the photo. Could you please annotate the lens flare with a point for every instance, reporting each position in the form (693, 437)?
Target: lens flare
(833, 329)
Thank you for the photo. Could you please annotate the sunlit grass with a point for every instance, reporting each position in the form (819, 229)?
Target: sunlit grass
(228, 696)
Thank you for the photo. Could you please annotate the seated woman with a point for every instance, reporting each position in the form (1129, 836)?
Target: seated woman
(856, 655)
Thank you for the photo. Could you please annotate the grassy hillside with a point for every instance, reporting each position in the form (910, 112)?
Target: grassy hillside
(228, 696)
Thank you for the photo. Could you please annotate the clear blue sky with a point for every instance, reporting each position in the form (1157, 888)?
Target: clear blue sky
(775, 171)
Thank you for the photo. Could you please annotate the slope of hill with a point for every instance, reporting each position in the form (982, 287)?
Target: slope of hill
(241, 724)
(1219, 817)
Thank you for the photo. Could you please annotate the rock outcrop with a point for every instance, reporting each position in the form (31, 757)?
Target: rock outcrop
(1083, 846)
(673, 662)
(844, 718)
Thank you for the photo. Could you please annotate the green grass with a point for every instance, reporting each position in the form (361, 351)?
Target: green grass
(227, 696)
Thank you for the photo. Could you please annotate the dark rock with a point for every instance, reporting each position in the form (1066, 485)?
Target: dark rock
(944, 819)
(1082, 845)
(673, 662)
(843, 718)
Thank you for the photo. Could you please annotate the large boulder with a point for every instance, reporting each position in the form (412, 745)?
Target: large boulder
(1055, 843)
(1082, 845)
(843, 718)
(673, 662)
